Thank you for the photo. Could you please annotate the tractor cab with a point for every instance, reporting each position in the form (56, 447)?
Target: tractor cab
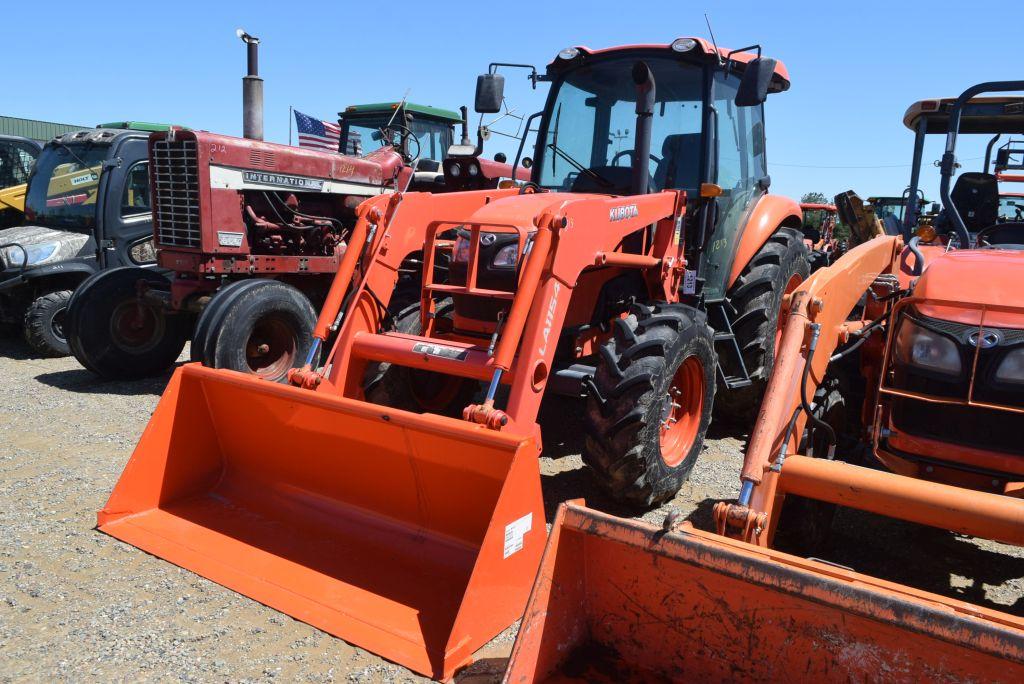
(972, 207)
(87, 207)
(418, 132)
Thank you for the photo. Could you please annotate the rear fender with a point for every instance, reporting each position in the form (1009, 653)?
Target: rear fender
(771, 213)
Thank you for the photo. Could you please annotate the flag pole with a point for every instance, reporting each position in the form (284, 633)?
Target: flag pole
(290, 117)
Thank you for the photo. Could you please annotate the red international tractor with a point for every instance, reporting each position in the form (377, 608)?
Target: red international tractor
(820, 233)
(391, 493)
(932, 323)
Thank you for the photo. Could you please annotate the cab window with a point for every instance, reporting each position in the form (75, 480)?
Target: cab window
(135, 198)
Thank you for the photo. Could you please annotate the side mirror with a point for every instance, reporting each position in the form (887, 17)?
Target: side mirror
(757, 77)
(490, 89)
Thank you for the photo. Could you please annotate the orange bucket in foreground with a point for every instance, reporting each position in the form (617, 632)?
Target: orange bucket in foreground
(414, 537)
(621, 601)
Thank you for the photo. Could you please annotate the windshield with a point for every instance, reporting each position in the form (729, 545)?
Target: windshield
(1011, 207)
(16, 160)
(590, 134)
(362, 135)
(62, 191)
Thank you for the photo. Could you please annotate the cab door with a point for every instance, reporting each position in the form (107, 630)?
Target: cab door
(127, 232)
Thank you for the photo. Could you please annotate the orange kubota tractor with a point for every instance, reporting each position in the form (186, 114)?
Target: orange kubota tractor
(391, 495)
(938, 333)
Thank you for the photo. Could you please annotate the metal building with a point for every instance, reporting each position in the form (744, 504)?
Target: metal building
(41, 131)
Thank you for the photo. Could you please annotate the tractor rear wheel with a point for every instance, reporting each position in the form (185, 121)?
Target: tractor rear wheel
(264, 329)
(656, 376)
(118, 335)
(44, 324)
(758, 294)
(418, 390)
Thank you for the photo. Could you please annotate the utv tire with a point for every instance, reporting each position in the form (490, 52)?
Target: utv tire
(118, 336)
(415, 390)
(44, 324)
(264, 329)
(805, 524)
(757, 296)
(657, 378)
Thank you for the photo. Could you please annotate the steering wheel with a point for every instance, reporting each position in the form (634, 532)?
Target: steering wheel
(387, 139)
(630, 154)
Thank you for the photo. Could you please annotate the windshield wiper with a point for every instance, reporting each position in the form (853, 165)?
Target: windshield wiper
(579, 167)
(81, 161)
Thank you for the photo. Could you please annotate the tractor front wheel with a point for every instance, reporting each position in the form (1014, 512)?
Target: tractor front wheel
(260, 327)
(117, 334)
(656, 387)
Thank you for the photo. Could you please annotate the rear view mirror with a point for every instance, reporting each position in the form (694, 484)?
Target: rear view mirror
(754, 84)
(1002, 158)
(490, 89)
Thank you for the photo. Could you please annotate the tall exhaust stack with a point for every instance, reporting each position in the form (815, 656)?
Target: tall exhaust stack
(252, 89)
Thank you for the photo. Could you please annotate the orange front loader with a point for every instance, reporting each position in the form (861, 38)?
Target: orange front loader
(623, 601)
(390, 494)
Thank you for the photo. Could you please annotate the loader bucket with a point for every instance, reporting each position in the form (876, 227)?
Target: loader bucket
(621, 601)
(414, 537)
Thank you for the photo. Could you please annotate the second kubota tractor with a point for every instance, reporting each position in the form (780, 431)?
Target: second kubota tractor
(411, 450)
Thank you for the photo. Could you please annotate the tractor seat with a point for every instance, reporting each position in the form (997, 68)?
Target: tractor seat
(680, 162)
(976, 198)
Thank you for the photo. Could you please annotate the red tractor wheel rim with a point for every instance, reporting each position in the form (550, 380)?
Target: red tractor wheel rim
(780, 323)
(135, 327)
(681, 416)
(270, 350)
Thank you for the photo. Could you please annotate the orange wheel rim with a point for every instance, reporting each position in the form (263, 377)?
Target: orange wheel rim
(682, 412)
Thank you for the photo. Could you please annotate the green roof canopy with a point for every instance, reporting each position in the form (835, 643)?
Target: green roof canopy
(136, 126)
(422, 110)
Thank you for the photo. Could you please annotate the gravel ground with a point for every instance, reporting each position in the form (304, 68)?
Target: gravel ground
(76, 604)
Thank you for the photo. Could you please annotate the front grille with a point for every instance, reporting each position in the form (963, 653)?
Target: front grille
(176, 183)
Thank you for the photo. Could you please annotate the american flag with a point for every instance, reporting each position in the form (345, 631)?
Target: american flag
(316, 134)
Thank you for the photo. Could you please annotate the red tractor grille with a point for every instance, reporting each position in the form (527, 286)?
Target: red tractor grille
(176, 189)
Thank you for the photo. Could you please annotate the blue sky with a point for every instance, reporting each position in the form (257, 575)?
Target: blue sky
(855, 66)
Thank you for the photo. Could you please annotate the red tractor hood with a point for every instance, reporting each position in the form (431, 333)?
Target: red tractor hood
(975, 277)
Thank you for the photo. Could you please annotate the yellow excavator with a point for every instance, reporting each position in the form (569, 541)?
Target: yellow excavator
(17, 155)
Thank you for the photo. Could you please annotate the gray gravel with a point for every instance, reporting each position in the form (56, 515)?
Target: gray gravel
(76, 604)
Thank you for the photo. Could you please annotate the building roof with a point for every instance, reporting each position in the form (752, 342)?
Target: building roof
(41, 131)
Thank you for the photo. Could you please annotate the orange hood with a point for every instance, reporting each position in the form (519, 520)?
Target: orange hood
(975, 277)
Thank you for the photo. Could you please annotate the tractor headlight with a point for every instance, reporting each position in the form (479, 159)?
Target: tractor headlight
(506, 256)
(683, 44)
(921, 348)
(568, 53)
(473, 170)
(460, 252)
(33, 254)
(455, 170)
(1011, 370)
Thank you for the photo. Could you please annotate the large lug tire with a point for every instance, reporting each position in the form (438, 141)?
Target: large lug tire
(657, 378)
(117, 335)
(44, 324)
(757, 296)
(264, 329)
(415, 390)
(805, 524)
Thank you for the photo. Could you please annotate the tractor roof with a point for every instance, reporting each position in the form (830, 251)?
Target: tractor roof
(137, 126)
(780, 79)
(423, 110)
(980, 115)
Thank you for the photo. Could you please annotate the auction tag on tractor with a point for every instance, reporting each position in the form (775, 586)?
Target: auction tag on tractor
(514, 533)
(689, 281)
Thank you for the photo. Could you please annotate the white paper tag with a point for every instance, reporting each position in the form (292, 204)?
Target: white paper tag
(514, 533)
(689, 281)
(229, 239)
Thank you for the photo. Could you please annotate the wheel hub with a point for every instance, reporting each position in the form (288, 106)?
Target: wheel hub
(682, 411)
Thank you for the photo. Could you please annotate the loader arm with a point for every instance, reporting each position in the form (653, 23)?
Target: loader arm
(13, 198)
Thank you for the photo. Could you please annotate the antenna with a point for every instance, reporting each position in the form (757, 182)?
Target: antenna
(401, 105)
(718, 55)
